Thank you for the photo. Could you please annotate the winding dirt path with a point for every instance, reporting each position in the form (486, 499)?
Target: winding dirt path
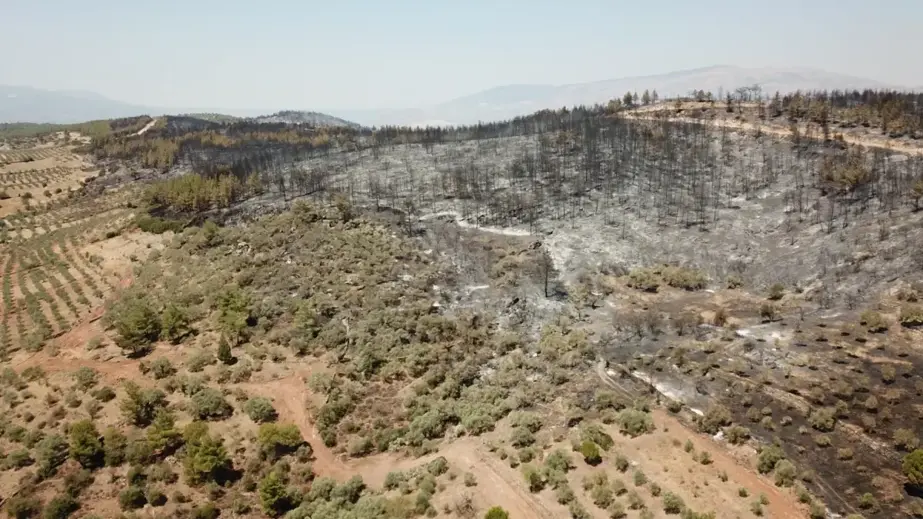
(733, 124)
(498, 484)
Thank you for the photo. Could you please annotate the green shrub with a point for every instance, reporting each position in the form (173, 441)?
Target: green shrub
(602, 496)
(616, 510)
(198, 361)
(85, 378)
(577, 511)
(776, 292)
(155, 225)
(684, 278)
(784, 473)
(85, 446)
(559, 460)
(643, 279)
(206, 459)
(132, 498)
(912, 466)
(672, 503)
(174, 323)
(823, 419)
(140, 405)
(634, 422)
(906, 440)
(590, 453)
(260, 410)
(162, 368)
(206, 511)
(736, 435)
(768, 312)
(209, 404)
(438, 466)
(60, 507)
(104, 394)
(23, 507)
(594, 433)
(911, 316)
(868, 502)
(563, 494)
(224, 352)
(522, 437)
(496, 513)
(734, 281)
(162, 435)
(278, 440)
(136, 323)
(817, 510)
(769, 456)
(114, 445)
(274, 496)
(533, 478)
(873, 321)
(50, 453)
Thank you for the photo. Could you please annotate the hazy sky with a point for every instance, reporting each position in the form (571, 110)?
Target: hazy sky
(395, 53)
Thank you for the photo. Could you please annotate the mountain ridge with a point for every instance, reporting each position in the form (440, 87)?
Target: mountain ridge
(28, 104)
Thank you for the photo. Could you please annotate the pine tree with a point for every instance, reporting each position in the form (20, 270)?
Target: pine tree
(654, 96)
(274, 495)
(85, 446)
(224, 351)
(646, 98)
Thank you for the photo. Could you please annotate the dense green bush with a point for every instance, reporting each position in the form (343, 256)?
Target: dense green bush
(776, 292)
(634, 422)
(590, 453)
(114, 446)
(136, 323)
(23, 507)
(769, 457)
(60, 507)
(672, 503)
(156, 225)
(85, 446)
(132, 498)
(278, 440)
(911, 316)
(685, 278)
(643, 279)
(274, 495)
(873, 321)
(912, 466)
(206, 458)
(496, 513)
(174, 323)
(85, 378)
(50, 453)
(823, 419)
(260, 410)
(162, 368)
(140, 405)
(209, 404)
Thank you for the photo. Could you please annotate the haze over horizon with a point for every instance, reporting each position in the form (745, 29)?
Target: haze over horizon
(365, 55)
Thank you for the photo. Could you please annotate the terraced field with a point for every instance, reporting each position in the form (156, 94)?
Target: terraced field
(35, 177)
(50, 278)
(31, 155)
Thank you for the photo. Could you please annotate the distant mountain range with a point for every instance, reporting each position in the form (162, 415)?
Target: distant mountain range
(509, 101)
(33, 105)
(26, 104)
